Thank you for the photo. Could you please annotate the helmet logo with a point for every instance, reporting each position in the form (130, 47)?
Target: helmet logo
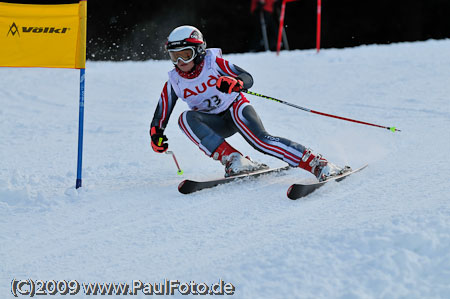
(195, 34)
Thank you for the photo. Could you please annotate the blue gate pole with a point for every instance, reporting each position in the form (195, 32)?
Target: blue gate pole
(80, 129)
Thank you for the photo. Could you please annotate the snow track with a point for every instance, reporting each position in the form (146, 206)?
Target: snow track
(381, 233)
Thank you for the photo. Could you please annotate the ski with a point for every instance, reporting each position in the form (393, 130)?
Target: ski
(190, 186)
(300, 190)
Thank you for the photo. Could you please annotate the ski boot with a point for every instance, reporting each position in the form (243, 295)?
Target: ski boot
(320, 167)
(235, 163)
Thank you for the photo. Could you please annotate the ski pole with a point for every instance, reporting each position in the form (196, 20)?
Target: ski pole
(179, 172)
(393, 129)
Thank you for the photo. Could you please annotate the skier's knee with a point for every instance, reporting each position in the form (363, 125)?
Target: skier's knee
(182, 120)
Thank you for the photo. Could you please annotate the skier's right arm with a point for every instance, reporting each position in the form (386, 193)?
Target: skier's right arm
(161, 117)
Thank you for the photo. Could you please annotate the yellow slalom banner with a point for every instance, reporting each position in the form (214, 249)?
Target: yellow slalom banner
(43, 35)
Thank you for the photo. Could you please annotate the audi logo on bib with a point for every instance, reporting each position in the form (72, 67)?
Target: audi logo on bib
(211, 83)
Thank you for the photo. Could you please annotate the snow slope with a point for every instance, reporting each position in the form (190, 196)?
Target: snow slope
(384, 233)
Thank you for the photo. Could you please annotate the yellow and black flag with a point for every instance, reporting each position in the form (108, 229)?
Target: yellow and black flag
(43, 35)
(36, 35)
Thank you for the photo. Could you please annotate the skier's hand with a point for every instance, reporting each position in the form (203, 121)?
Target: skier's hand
(228, 84)
(158, 138)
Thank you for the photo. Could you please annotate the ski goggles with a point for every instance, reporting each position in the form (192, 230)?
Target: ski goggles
(186, 54)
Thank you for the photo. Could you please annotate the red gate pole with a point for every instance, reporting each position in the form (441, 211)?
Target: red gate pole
(280, 28)
(319, 14)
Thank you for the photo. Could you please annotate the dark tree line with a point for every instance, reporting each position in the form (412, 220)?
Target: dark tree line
(137, 29)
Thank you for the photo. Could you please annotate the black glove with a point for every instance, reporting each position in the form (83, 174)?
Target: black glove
(228, 84)
(158, 138)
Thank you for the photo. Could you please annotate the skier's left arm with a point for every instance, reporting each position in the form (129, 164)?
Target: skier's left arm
(233, 78)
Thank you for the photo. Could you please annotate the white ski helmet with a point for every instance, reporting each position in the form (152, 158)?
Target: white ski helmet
(187, 37)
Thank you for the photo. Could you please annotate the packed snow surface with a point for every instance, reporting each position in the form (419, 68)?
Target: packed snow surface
(381, 233)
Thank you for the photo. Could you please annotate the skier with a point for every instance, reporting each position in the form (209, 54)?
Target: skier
(211, 86)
